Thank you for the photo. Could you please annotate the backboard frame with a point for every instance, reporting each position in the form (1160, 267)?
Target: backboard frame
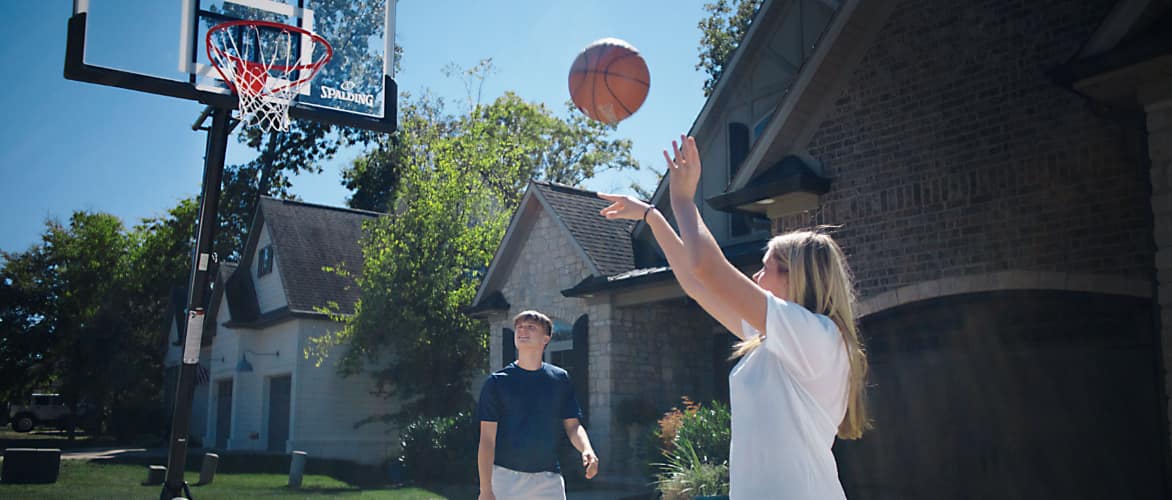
(77, 69)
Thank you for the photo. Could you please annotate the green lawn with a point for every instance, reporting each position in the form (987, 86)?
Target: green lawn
(48, 438)
(88, 480)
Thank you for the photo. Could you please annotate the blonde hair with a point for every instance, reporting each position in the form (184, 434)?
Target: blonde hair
(536, 317)
(820, 280)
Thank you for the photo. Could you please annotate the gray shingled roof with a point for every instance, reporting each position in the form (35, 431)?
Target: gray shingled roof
(307, 237)
(607, 242)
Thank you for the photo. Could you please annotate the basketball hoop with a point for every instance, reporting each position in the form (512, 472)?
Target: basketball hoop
(264, 63)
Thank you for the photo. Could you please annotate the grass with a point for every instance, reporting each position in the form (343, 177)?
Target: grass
(94, 480)
(49, 438)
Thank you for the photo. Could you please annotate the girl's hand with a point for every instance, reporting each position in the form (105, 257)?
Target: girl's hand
(623, 207)
(683, 169)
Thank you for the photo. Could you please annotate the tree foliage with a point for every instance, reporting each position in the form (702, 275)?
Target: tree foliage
(461, 177)
(25, 323)
(87, 267)
(83, 311)
(721, 34)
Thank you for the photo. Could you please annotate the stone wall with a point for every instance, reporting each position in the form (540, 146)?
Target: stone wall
(658, 353)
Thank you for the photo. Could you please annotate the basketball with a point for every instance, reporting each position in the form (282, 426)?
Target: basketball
(609, 80)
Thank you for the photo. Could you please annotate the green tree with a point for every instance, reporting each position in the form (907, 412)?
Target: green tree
(83, 311)
(373, 178)
(461, 179)
(721, 34)
(86, 271)
(159, 260)
(25, 323)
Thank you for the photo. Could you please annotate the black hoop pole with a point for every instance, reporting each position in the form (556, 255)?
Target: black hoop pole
(201, 276)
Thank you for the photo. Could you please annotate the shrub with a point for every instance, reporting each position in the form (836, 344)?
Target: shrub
(139, 424)
(440, 449)
(686, 475)
(694, 443)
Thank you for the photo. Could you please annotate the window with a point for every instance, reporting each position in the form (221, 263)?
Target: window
(738, 149)
(508, 347)
(264, 263)
(759, 128)
(562, 337)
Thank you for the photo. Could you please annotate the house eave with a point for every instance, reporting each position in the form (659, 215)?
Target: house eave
(741, 255)
(792, 176)
(494, 302)
(276, 317)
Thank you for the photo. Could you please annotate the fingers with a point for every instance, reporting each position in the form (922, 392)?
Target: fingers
(610, 197)
(590, 462)
(613, 211)
(683, 151)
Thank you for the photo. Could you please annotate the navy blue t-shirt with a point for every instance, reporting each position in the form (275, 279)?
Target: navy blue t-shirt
(529, 408)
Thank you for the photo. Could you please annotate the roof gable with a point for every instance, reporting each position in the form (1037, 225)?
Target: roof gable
(607, 243)
(308, 237)
(605, 246)
(846, 35)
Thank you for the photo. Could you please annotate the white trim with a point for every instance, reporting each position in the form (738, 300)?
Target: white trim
(187, 20)
(1116, 26)
(1005, 280)
(389, 50)
(284, 9)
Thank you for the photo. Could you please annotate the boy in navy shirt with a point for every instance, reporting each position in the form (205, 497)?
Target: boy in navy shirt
(524, 407)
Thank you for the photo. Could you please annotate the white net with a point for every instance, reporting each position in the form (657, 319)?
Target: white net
(262, 62)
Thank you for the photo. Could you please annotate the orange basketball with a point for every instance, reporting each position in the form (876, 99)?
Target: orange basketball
(609, 80)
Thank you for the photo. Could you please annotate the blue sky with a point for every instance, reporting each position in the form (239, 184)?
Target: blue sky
(69, 145)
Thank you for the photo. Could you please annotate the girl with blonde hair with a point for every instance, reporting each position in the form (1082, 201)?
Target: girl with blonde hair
(800, 382)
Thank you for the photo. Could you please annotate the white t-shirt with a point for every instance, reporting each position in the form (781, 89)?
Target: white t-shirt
(788, 397)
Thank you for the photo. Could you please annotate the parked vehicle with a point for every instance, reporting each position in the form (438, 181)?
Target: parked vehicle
(50, 410)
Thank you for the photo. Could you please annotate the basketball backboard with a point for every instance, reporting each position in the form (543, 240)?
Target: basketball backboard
(158, 46)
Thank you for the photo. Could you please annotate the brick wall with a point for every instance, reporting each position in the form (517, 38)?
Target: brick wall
(952, 153)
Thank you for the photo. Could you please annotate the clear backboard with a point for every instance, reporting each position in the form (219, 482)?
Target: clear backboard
(158, 46)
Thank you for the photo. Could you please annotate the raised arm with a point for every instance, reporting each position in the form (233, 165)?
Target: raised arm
(703, 257)
(626, 207)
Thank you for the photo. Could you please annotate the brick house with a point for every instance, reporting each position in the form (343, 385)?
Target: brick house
(1002, 175)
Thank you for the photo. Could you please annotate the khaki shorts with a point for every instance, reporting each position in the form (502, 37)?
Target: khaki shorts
(508, 484)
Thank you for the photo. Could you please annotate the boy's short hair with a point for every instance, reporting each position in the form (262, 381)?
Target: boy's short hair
(535, 317)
